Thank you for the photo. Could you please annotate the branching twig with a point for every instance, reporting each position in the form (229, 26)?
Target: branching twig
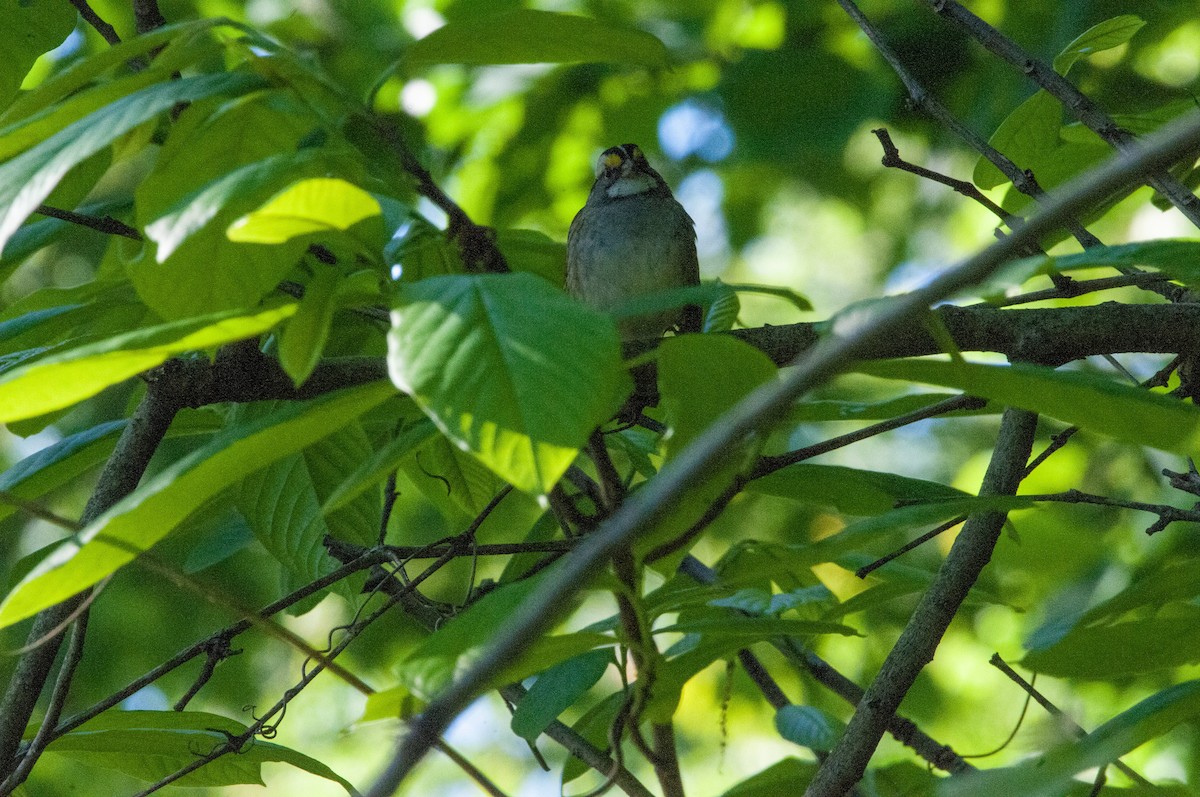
(92, 18)
(892, 159)
(1076, 102)
(1023, 180)
(1058, 714)
(1166, 514)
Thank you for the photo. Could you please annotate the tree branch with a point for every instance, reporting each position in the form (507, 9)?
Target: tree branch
(1076, 102)
(120, 476)
(920, 639)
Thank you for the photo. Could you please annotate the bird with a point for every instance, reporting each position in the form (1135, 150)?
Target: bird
(632, 238)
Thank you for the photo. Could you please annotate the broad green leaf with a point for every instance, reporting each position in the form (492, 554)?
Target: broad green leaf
(303, 338)
(451, 479)
(317, 205)
(535, 37)
(376, 468)
(556, 690)
(875, 534)
(187, 46)
(1050, 774)
(808, 726)
(1108, 34)
(594, 726)
(1135, 647)
(196, 210)
(280, 505)
(31, 27)
(783, 777)
(1093, 402)
(1026, 136)
(509, 368)
(674, 674)
(28, 179)
(850, 490)
(150, 745)
(65, 84)
(205, 271)
(702, 376)
(533, 251)
(71, 376)
(1171, 582)
(164, 501)
(58, 464)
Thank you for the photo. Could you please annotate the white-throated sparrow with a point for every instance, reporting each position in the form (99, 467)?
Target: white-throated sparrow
(632, 238)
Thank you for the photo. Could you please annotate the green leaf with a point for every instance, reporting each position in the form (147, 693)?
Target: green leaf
(376, 468)
(535, 37)
(65, 84)
(1114, 651)
(850, 490)
(509, 368)
(701, 376)
(556, 690)
(163, 502)
(1026, 136)
(28, 179)
(451, 479)
(1093, 402)
(303, 339)
(58, 464)
(69, 377)
(32, 27)
(150, 745)
(533, 251)
(191, 214)
(878, 532)
(398, 702)
(782, 777)
(318, 205)
(1098, 38)
(1050, 774)
(808, 726)
(1170, 582)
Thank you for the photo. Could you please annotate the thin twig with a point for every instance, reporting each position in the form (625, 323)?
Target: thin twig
(1023, 180)
(58, 698)
(999, 663)
(1076, 102)
(92, 18)
(104, 224)
(892, 159)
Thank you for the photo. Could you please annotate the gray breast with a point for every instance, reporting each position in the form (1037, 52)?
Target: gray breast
(620, 249)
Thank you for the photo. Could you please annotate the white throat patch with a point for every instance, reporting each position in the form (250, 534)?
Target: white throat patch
(631, 184)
